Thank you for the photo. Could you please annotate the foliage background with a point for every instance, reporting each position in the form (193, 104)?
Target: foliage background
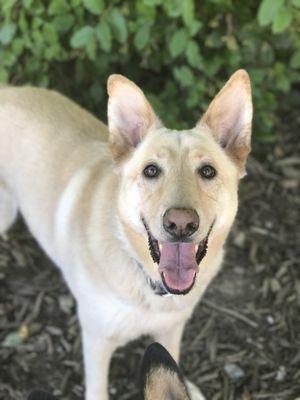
(179, 51)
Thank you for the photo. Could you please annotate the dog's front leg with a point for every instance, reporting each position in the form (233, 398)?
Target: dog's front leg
(97, 352)
(171, 339)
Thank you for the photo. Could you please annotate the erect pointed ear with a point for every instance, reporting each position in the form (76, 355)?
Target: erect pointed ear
(161, 378)
(229, 118)
(130, 116)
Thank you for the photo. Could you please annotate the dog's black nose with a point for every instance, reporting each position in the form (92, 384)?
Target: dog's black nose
(181, 222)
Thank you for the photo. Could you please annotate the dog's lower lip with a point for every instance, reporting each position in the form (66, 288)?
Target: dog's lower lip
(177, 291)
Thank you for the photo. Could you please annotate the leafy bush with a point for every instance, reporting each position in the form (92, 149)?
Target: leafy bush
(179, 51)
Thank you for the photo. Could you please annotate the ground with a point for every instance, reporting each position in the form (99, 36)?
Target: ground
(243, 341)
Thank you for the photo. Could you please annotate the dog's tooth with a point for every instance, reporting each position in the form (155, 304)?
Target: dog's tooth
(160, 246)
(196, 247)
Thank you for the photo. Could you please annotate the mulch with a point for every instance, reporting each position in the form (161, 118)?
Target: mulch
(243, 341)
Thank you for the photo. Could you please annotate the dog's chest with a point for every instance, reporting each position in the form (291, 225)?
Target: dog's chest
(136, 320)
(123, 320)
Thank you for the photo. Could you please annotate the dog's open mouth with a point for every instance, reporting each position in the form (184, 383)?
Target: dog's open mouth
(178, 262)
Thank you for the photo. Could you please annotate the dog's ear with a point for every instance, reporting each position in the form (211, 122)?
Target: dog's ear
(40, 395)
(161, 378)
(130, 116)
(229, 118)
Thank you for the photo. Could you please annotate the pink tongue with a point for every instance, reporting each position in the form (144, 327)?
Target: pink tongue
(178, 264)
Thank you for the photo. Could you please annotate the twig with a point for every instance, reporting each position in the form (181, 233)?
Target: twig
(230, 312)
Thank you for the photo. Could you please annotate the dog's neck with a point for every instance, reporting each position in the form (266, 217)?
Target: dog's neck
(157, 286)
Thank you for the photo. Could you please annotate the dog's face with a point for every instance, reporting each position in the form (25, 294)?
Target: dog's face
(179, 188)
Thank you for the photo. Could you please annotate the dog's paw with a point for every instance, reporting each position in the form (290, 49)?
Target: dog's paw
(194, 391)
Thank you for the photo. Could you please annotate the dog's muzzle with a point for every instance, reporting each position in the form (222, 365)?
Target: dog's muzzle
(178, 262)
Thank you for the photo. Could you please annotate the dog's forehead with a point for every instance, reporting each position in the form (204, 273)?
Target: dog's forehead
(168, 142)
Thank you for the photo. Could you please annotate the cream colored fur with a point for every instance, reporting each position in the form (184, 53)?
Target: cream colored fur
(84, 206)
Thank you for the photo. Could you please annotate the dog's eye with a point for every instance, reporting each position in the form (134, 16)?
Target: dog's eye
(207, 172)
(151, 171)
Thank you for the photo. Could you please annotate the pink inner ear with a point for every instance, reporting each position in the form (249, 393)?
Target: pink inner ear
(228, 116)
(130, 113)
(132, 127)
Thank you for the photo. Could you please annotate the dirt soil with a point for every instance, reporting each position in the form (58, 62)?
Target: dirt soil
(243, 341)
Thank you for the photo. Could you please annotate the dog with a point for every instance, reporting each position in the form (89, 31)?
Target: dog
(135, 215)
(160, 378)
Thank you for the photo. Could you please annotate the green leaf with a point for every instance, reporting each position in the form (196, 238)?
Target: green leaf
(213, 65)
(103, 34)
(296, 3)
(118, 24)
(282, 20)
(50, 33)
(12, 339)
(7, 5)
(27, 4)
(38, 9)
(63, 23)
(194, 27)
(141, 37)
(144, 12)
(178, 42)
(184, 76)
(82, 37)
(94, 6)
(7, 33)
(76, 3)
(268, 10)
(17, 46)
(23, 24)
(3, 75)
(36, 23)
(58, 7)
(188, 12)
(9, 59)
(257, 75)
(173, 8)
(152, 3)
(283, 83)
(295, 59)
(193, 55)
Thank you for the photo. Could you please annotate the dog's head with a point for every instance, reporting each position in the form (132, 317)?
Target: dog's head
(160, 376)
(179, 188)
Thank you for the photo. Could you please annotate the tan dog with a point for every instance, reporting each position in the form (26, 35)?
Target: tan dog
(160, 378)
(95, 209)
